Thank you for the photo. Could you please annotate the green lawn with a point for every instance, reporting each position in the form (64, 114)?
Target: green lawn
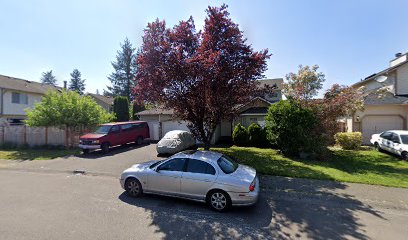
(36, 154)
(362, 166)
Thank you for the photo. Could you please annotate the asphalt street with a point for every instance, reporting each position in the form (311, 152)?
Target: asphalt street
(45, 200)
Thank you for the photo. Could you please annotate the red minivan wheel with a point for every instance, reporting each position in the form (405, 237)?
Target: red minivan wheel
(105, 147)
(139, 141)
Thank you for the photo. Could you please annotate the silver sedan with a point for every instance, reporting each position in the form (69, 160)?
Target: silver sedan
(203, 176)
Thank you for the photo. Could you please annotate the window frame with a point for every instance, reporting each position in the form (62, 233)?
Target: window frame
(113, 132)
(208, 164)
(386, 137)
(19, 97)
(173, 159)
(235, 164)
(394, 137)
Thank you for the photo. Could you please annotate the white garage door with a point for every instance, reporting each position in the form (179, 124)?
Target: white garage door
(174, 125)
(376, 124)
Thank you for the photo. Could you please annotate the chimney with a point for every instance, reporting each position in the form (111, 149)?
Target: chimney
(65, 84)
(399, 58)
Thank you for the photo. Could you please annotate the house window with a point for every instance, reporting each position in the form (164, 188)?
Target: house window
(253, 120)
(19, 98)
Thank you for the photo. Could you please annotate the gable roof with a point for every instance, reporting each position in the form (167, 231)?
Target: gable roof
(102, 98)
(373, 98)
(271, 82)
(23, 85)
(374, 75)
(156, 111)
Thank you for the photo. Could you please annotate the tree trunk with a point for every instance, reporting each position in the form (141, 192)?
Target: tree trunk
(207, 145)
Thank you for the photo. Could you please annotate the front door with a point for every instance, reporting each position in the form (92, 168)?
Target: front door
(166, 179)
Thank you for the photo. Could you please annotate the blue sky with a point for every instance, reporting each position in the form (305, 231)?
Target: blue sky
(348, 39)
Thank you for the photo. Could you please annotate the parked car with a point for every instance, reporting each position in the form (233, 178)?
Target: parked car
(202, 176)
(175, 141)
(112, 134)
(395, 141)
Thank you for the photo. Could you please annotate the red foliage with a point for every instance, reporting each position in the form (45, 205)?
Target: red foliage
(204, 75)
(339, 101)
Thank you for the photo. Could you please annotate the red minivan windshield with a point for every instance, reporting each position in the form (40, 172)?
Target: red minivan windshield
(104, 129)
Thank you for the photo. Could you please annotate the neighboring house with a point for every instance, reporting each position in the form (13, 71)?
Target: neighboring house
(103, 101)
(18, 94)
(385, 101)
(162, 121)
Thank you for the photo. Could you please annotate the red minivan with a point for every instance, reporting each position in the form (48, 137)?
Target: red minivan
(112, 134)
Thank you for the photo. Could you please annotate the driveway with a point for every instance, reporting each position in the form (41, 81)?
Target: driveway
(111, 164)
(44, 200)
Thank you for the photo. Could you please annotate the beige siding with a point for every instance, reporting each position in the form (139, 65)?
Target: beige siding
(373, 85)
(402, 79)
(10, 108)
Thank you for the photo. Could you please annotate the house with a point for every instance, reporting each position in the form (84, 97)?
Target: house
(104, 101)
(18, 94)
(385, 100)
(162, 120)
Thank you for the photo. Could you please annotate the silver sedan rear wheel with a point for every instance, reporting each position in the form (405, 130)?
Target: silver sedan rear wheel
(133, 187)
(219, 201)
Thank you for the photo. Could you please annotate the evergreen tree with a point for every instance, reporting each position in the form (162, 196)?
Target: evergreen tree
(77, 83)
(121, 108)
(123, 78)
(48, 78)
(97, 91)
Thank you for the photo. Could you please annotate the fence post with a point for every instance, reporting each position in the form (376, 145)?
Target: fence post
(25, 135)
(46, 135)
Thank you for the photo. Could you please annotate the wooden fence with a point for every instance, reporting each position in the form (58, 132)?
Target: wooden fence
(39, 136)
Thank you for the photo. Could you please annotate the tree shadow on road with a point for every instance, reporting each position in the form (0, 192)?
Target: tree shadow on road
(287, 209)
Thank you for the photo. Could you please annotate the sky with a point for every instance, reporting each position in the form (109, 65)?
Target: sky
(348, 39)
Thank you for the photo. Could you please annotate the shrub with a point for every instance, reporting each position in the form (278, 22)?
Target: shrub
(291, 128)
(349, 140)
(240, 135)
(66, 109)
(121, 108)
(257, 136)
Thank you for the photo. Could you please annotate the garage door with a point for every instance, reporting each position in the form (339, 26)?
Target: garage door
(376, 124)
(174, 125)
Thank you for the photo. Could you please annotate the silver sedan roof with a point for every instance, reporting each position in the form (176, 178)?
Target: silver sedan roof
(200, 155)
(400, 132)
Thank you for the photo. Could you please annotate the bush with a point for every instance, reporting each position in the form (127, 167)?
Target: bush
(349, 140)
(257, 135)
(66, 108)
(240, 135)
(292, 128)
(121, 108)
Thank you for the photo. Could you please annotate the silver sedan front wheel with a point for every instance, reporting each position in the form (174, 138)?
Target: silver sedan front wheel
(219, 201)
(133, 187)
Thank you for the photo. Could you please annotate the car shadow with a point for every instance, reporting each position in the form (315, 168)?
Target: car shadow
(112, 151)
(287, 209)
